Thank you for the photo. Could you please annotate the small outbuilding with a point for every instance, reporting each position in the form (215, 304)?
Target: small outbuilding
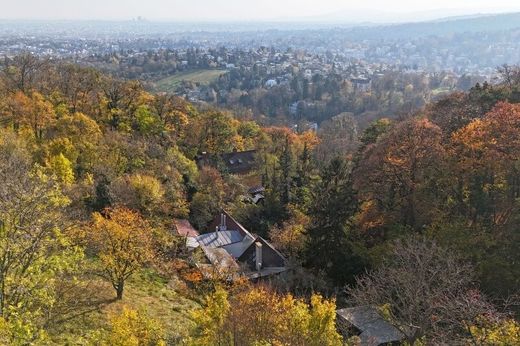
(371, 328)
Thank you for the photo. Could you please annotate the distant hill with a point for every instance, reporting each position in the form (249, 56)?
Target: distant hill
(441, 27)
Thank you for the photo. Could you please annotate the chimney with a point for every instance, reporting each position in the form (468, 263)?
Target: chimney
(258, 247)
(223, 222)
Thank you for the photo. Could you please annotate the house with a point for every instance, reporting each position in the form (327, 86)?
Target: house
(368, 325)
(271, 83)
(257, 194)
(361, 83)
(236, 162)
(240, 162)
(231, 249)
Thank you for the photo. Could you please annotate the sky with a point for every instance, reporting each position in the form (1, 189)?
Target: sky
(241, 10)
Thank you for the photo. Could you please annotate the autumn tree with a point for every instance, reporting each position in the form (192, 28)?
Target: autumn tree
(139, 192)
(453, 112)
(30, 111)
(216, 132)
(290, 237)
(210, 320)
(209, 198)
(79, 88)
(424, 290)
(486, 153)
(502, 332)
(77, 137)
(123, 242)
(398, 175)
(259, 316)
(134, 328)
(35, 253)
(120, 101)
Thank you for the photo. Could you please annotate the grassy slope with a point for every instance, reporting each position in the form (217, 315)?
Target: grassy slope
(169, 84)
(144, 291)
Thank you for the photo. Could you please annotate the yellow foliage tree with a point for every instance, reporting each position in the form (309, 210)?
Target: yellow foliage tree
(210, 321)
(134, 328)
(61, 167)
(258, 316)
(504, 333)
(123, 240)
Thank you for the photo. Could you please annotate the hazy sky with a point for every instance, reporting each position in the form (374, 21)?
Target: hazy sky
(233, 9)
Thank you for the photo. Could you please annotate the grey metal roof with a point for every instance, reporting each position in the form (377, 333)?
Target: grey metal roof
(374, 329)
(219, 239)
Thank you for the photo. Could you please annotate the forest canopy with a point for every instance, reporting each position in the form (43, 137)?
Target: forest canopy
(96, 170)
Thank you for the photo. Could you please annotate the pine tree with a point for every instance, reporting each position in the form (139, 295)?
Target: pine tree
(328, 247)
(286, 174)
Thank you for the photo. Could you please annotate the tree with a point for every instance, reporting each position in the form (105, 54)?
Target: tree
(216, 132)
(487, 151)
(286, 177)
(140, 192)
(208, 199)
(258, 316)
(424, 290)
(29, 110)
(61, 167)
(338, 137)
(328, 247)
(486, 168)
(290, 237)
(210, 320)
(123, 241)
(510, 75)
(35, 253)
(398, 175)
(501, 333)
(20, 72)
(134, 328)
(83, 135)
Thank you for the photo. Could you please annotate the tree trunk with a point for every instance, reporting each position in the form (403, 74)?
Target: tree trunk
(119, 290)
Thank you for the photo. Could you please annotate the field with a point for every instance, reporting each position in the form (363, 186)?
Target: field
(170, 84)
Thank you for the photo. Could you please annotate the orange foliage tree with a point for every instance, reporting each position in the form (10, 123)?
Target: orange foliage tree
(488, 150)
(398, 172)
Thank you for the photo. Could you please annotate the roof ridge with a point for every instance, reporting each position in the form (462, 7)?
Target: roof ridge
(242, 228)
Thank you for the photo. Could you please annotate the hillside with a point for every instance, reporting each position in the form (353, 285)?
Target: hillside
(129, 217)
(442, 27)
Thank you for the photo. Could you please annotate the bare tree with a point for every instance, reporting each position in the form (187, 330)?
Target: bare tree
(20, 73)
(424, 291)
(510, 74)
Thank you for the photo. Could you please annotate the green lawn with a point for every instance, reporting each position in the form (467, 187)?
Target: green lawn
(170, 84)
(146, 291)
(439, 91)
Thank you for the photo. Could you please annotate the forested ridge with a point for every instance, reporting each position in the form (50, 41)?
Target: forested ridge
(417, 216)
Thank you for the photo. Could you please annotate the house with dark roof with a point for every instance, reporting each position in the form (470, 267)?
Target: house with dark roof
(232, 248)
(371, 328)
(236, 162)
